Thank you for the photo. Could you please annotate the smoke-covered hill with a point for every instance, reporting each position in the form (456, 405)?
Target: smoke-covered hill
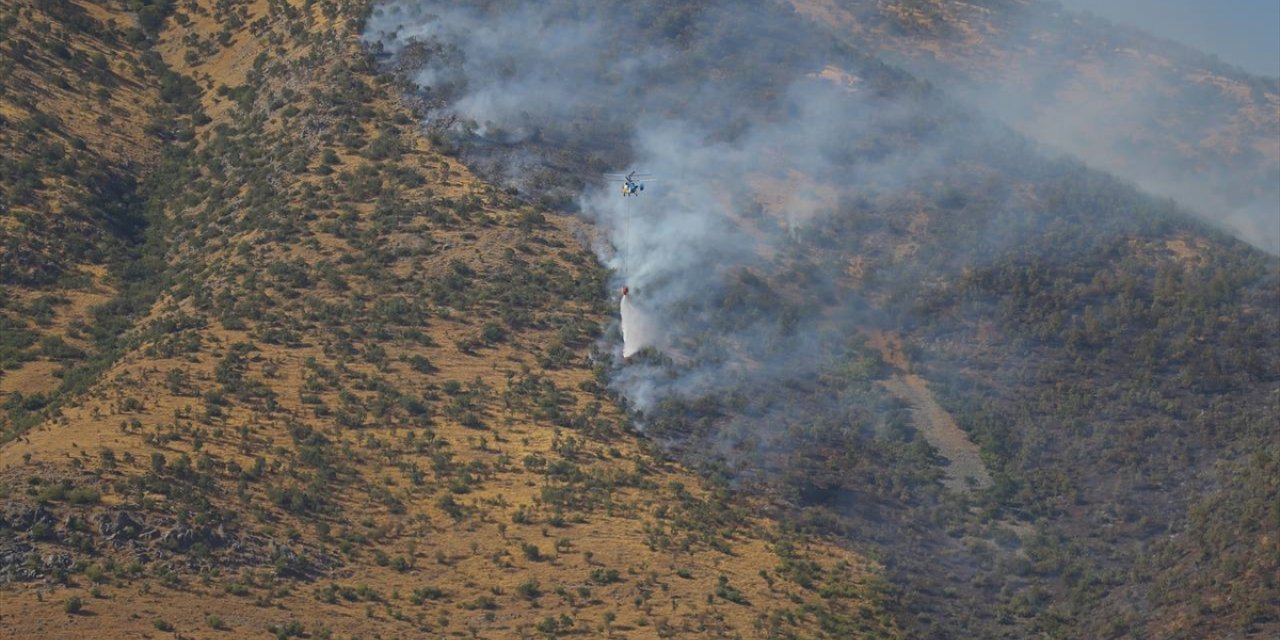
(1175, 121)
(1110, 356)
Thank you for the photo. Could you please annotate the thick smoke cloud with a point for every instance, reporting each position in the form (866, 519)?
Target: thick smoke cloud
(512, 68)
(754, 163)
(737, 182)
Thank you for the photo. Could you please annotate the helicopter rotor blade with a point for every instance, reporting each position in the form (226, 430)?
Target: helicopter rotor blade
(634, 176)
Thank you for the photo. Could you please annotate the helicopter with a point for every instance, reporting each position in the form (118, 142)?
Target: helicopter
(632, 183)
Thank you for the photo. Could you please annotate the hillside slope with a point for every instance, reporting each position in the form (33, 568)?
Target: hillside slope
(361, 401)
(85, 109)
(1110, 357)
(915, 377)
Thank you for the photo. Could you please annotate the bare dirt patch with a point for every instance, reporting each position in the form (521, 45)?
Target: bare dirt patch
(32, 377)
(965, 470)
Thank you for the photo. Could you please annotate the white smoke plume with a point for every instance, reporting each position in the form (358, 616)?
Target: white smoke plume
(753, 162)
(735, 184)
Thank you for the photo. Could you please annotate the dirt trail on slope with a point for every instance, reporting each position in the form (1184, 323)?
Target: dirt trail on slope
(966, 470)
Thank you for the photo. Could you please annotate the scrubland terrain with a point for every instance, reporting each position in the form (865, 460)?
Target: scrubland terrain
(340, 387)
(287, 347)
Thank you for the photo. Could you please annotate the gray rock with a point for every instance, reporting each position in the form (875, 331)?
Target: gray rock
(120, 524)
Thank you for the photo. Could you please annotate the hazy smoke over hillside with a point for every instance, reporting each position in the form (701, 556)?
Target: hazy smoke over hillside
(1242, 32)
(756, 142)
(1172, 120)
(737, 180)
(1117, 126)
(807, 195)
(508, 70)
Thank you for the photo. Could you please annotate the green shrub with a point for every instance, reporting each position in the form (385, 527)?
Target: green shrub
(529, 590)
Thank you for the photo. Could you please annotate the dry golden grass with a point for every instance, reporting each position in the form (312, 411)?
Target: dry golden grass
(60, 90)
(35, 376)
(688, 558)
(78, 97)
